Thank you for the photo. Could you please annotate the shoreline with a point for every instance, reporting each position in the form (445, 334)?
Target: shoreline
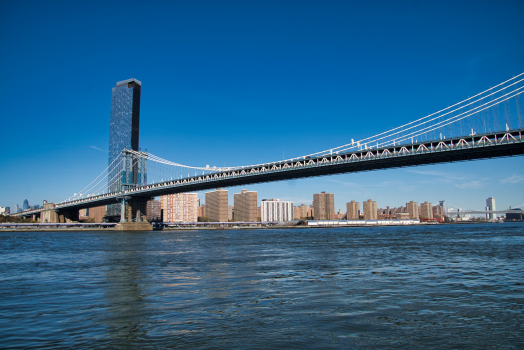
(71, 229)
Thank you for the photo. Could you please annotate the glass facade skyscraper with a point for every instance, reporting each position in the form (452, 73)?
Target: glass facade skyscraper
(123, 131)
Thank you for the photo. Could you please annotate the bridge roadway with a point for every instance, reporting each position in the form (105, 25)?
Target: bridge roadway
(482, 146)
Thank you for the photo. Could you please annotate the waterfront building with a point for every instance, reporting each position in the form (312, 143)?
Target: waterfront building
(515, 216)
(179, 207)
(275, 210)
(490, 206)
(386, 214)
(340, 215)
(444, 207)
(230, 212)
(402, 216)
(201, 211)
(426, 210)
(353, 210)
(324, 206)
(245, 204)
(303, 212)
(438, 210)
(297, 211)
(123, 132)
(370, 210)
(5, 210)
(412, 209)
(95, 213)
(25, 205)
(216, 205)
(153, 210)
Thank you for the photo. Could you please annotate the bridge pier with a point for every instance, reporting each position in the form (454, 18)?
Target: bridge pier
(65, 216)
(49, 214)
(140, 223)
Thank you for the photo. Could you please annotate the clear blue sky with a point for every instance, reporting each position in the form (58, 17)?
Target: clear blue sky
(237, 82)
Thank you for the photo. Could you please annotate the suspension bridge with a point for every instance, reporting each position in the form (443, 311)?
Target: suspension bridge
(486, 125)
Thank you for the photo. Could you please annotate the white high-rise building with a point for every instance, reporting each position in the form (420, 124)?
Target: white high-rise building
(274, 210)
(490, 205)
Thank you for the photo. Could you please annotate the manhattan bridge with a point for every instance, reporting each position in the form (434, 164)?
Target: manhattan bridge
(486, 125)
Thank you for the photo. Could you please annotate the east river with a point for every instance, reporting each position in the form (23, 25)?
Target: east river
(416, 287)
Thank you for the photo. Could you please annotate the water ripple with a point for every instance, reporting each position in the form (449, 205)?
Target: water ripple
(449, 286)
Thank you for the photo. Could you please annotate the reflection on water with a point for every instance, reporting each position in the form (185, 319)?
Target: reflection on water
(452, 286)
(125, 292)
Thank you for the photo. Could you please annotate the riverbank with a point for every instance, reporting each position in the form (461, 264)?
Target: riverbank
(93, 227)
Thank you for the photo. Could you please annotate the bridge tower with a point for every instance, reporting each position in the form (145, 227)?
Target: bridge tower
(133, 208)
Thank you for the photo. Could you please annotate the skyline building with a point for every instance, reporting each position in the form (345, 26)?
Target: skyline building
(302, 212)
(230, 212)
(217, 205)
(124, 130)
(353, 210)
(370, 210)
(438, 211)
(324, 206)
(275, 210)
(201, 211)
(490, 205)
(297, 212)
(245, 206)
(153, 210)
(25, 205)
(179, 207)
(426, 210)
(412, 209)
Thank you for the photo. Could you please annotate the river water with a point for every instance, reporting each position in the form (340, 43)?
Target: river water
(416, 287)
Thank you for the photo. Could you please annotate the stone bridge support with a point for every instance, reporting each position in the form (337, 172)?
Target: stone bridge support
(68, 216)
(49, 214)
(133, 215)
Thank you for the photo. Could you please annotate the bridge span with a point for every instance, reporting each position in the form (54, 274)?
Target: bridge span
(473, 147)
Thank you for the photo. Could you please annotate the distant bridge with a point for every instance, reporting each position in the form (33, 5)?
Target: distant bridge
(464, 212)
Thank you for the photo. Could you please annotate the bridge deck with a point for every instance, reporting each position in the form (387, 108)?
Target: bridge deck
(490, 145)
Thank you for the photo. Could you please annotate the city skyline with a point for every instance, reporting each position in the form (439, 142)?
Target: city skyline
(302, 89)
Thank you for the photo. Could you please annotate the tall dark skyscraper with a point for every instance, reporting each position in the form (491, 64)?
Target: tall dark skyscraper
(124, 130)
(25, 206)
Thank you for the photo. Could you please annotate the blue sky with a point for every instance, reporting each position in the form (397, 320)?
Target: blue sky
(237, 82)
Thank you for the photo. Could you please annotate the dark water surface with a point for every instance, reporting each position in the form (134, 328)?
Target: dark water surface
(448, 286)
